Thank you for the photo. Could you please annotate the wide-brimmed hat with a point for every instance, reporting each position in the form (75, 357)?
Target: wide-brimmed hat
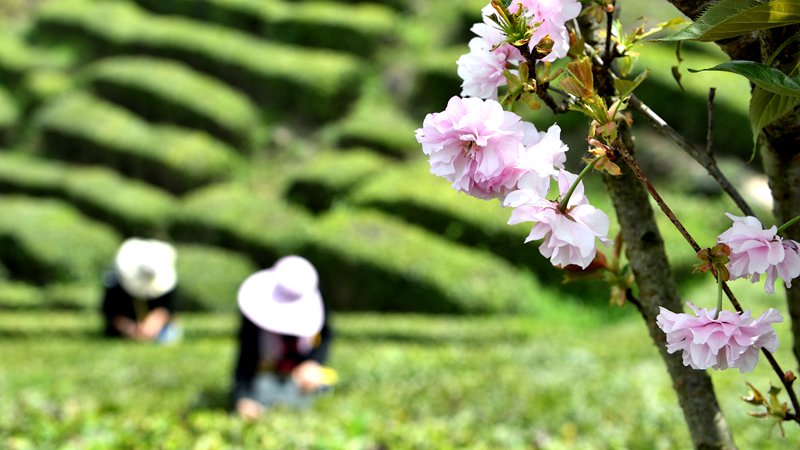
(146, 268)
(285, 298)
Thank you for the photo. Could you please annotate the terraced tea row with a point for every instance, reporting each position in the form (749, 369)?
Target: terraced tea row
(130, 206)
(282, 78)
(361, 29)
(81, 128)
(166, 91)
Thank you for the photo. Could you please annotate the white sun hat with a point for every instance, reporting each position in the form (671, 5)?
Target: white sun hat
(146, 268)
(285, 298)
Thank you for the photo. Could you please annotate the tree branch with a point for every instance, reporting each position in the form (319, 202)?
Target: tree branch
(639, 173)
(704, 158)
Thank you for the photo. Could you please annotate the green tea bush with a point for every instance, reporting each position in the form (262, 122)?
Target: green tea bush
(400, 5)
(17, 58)
(16, 295)
(131, 206)
(57, 296)
(436, 80)
(412, 194)
(265, 70)
(370, 261)
(330, 175)
(167, 91)
(9, 115)
(44, 241)
(209, 277)
(230, 215)
(377, 122)
(81, 128)
(32, 176)
(362, 30)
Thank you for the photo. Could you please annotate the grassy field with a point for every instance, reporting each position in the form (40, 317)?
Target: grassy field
(572, 378)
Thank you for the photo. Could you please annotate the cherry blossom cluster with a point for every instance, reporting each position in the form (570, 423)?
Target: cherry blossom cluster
(490, 153)
(727, 339)
(709, 340)
(756, 251)
(483, 68)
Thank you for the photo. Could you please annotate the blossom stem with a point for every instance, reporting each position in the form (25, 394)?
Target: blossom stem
(789, 224)
(562, 205)
(719, 298)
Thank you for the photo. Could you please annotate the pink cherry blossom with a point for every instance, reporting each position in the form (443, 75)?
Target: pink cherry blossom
(730, 340)
(788, 269)
(476, 145)
(553, 15)
(482, 70)
(569, 237)
(756, 251)
(545, 152)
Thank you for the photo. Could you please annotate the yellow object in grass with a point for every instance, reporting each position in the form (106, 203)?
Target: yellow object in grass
(329, 376)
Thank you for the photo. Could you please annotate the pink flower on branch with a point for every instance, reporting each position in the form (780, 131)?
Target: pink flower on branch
(569, 236)
(730, 340)
(483, 68)
(476, 145)
(756, 251)
(552, 16)
(788, 269)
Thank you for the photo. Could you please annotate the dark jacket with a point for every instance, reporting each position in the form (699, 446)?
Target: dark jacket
(117, 302)
(249, 364)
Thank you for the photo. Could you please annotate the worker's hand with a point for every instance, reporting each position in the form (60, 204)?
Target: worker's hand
(153, 323)
(249, 409)
(308, 376)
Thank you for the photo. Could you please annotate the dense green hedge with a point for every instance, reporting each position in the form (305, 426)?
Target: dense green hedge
(132, 207)
(16, 295)
(233, 216)
(209, 277)
(9, 115)
(412, 193)
(44, 241)
(370, 261)
(436, 80)
(167, 91)
(284, 78)
(79, 127)
(377, 122)
(17, 58)
(360, 29)
(331, 175)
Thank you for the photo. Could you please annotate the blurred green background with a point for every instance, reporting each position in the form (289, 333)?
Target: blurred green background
(244, 130)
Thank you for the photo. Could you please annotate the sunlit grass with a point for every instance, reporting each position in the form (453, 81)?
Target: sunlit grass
(566, 379)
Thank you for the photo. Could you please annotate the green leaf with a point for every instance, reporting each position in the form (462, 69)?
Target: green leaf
(730, 18)
(625, 87)
(763, 76)
(766, 107)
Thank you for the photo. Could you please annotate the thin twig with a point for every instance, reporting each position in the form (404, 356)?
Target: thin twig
(705, 159)
(608, 56)
(639, 173)
(541, 92)
(637, 170)
(710, 132)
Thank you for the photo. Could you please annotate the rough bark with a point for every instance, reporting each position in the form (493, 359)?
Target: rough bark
(779, 145)
(656, 287)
